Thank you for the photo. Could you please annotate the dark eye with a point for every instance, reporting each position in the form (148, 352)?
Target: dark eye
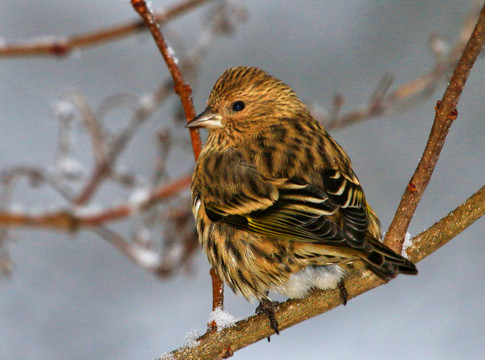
(238, 106)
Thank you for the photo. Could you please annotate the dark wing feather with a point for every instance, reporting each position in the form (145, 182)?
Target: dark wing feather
(289, 208)
(300, 213)
(344, 190)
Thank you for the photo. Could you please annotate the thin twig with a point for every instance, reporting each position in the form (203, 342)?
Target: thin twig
(181, 88)
(220, 21)
(217, 295)
(421, 87)
(446, 113)
(62, 46)
(9, 179)
(93, 127)
(102, 165)
(66, 220)
(184, 91)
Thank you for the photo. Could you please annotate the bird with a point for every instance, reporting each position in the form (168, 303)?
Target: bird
(277, 206)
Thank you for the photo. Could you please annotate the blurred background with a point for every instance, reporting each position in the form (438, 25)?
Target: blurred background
(77, 297)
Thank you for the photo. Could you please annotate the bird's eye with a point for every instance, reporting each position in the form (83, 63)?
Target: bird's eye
(238, 106)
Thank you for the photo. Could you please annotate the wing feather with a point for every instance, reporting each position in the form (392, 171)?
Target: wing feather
(333, 214)
(300, 213)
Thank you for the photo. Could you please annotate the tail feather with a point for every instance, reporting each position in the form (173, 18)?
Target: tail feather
(386, 263)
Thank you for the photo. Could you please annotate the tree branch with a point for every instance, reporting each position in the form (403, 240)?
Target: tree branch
(66, 220)
(184, 91)
(107, 147)
(382, 102)
(222, 344)
(447, 228)
(181, 88)
(445, 114)
(64, 46)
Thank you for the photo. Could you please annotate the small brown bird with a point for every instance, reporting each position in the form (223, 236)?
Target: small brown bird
(277, 205)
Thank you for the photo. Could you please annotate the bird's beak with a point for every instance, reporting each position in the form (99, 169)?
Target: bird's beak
(207, 120)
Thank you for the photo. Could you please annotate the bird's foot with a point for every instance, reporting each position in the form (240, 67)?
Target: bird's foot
(344, 295)
(267, 307)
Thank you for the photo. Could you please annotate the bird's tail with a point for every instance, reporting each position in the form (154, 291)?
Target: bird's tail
(385, 263)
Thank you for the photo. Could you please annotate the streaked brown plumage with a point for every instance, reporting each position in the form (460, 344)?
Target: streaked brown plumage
(277, 204)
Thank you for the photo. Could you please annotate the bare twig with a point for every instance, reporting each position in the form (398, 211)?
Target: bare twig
(99, 173)
(72, 107)
(145, 258)
(141, 114)
(181, 88)
(93, 127)
(164, 142)
(98, 143)
(62, 46)
(181, 240)
(67, 221)
(419, 88)
(217, 295)
(5, 259)
(9, 179)
(445, 114)
(447, 228)
(184, 91)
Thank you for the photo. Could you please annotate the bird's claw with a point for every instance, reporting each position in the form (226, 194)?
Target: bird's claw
(267, 307)
(344, 295)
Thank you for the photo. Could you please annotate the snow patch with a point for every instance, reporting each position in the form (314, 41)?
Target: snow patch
(91, 209)
(63, 109)
(147, 102)
(172, 54)
(146, 257)
(70, 167)
(138, 197)
(407, 243)
(191, 338)
(167, 356)
(222, 318)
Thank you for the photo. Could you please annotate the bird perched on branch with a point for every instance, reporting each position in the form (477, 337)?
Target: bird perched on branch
(277, 205)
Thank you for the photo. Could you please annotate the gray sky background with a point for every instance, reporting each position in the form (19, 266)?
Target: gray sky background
(77, 298)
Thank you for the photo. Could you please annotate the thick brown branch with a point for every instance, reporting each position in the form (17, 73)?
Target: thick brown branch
(63, 46)
(447, 228)
(217, 344)
(445, 114)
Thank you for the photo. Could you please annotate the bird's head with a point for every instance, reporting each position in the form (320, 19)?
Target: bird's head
(247, 97)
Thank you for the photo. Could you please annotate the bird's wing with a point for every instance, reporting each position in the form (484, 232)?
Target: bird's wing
(289, 208)
(300, 213)
(280, 208)
(344, 190)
